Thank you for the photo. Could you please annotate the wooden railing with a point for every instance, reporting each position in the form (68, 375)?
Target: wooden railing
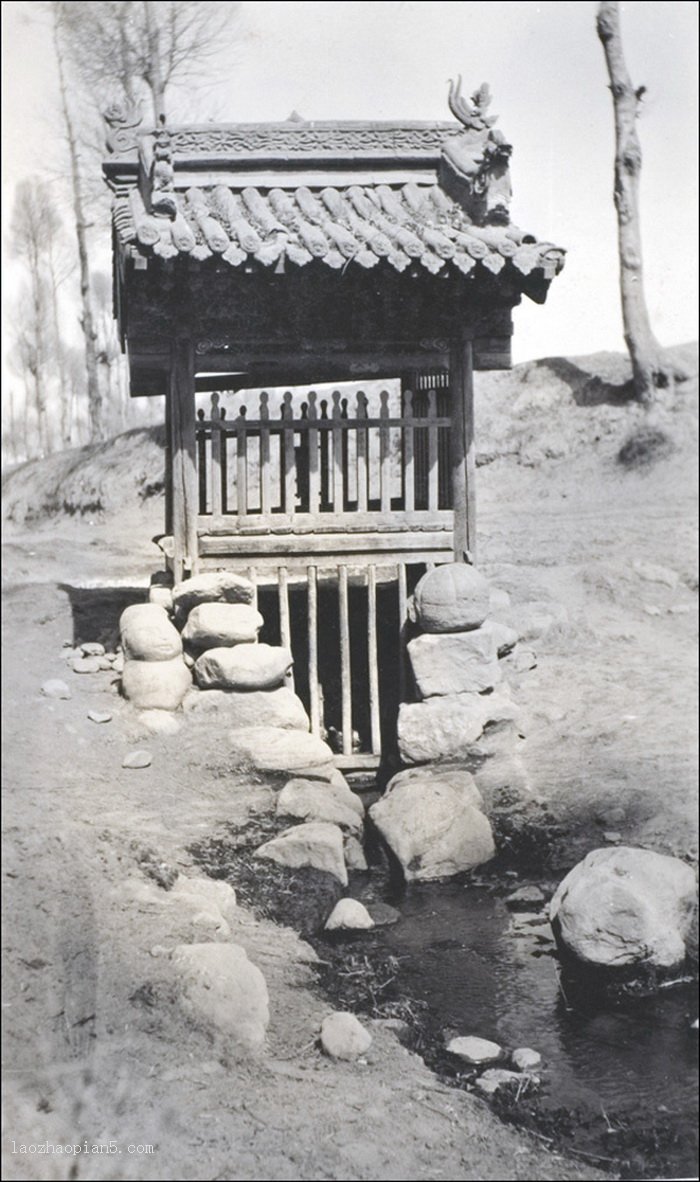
(338, 461)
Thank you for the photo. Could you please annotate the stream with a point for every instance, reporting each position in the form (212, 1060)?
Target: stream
(626, 1068)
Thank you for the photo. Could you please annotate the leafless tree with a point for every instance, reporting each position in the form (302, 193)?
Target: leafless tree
(35, 229)
(652, 368)
(136, 51)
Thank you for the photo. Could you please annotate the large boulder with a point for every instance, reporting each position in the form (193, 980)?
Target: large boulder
(270, 749)
(314, 843)
(311, 800)
(156, 685)
(216, 625)
(433, 828)
(147, 633)
(344, 1037)
(451, 774)
(464, 662)
(623, 907)
(276, 707)
(223, 991)
(444, 729)
(217, 587)
(451, 598)
(244, 667)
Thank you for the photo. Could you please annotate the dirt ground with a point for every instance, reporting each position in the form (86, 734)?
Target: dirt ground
(598, 560)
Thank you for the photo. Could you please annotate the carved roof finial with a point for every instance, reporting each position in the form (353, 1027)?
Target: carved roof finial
(471, 112)
(122, 120)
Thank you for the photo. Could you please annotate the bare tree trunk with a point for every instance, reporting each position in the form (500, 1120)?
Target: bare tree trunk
(87, 320)
(154, 73)
(651, 368)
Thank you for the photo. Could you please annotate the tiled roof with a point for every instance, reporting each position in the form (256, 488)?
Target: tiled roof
(402, 224)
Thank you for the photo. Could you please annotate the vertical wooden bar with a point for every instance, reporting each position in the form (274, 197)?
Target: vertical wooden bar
(325, 474)
(374, 711)
(432, 452)
(403, 612)
(409, 476)
(224, 460)
(384, 454)
(168, 464)
(215, 472)
(345, 449)
(314, 697)
(361, 453)
(285, 622)
(463, 451)
(202, 474)
(241, 463)
(253, 578)
(265, 497)
(337, 454)
(314, 484)
(288, 451)
(185, 487)
(345, 673)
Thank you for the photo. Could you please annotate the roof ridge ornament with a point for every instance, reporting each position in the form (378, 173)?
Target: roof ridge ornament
(123, 120)
(471, 113)
(163, 200)
(474, 165)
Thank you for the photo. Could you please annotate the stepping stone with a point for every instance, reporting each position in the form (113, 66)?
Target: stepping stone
(99, 716)
(137, 759)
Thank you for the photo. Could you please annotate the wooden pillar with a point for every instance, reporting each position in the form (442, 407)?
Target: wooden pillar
(168, 466)
(463, 451)
(185, 495)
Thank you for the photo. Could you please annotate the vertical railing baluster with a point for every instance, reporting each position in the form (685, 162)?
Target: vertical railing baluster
(313, 455)
(265, 497)
(215, 481)
(201, 437)
(324, 439)
(361, 453)
(373, 661)
(288, 428)
(223, 435)
(241, 463)
(345, 671)
(337, 455)
(409, 477)
(384, 454)
(345, 503)
(432, 452)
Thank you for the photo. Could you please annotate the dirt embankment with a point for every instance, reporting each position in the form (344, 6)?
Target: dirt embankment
(597, 555)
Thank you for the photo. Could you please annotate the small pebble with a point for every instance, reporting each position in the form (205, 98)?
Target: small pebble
(55, 689)
(349, 914)
(99, 716)
(495, 1077)
(85, 665)
(344, 1037)
(136, 759)
(158, 950)
(92, 649)
(612, 836)
(383, 915)
(475, 1050)
(525, 1059)
(525, 898)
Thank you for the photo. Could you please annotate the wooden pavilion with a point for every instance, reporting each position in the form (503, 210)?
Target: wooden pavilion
(331, 287)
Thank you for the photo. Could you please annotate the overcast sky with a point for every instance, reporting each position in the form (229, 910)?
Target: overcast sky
(547, 74)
